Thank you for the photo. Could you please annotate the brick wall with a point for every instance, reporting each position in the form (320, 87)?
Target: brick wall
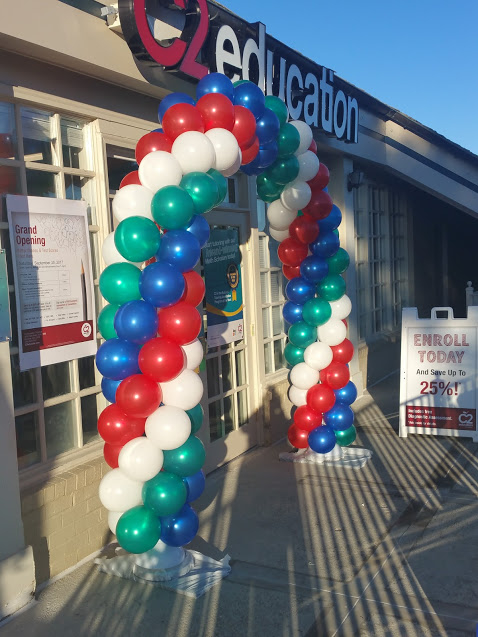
(64, 520)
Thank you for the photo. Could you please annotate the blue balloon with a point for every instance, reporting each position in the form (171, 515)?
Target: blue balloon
(161, 284)
(199, 227)
(299, 290)
(340, 417)
(180, 248)
(250, 95)
(267, 154)
(326, 245)
(322, 439)
(331, 221)
(346, 395)
(195, 485)
(292, 312)
(171, 100)
(117, 359)
(109, 387)
(314, 269)
(180, 528)
(136, 321)
(251, 168)
(267, 127)
(215, 83)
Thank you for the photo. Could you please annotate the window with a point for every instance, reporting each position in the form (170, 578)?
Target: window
(46, 154)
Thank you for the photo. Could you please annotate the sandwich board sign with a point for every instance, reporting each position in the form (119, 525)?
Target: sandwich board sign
(438, 373)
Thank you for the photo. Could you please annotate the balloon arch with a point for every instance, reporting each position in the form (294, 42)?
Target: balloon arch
(151, 324)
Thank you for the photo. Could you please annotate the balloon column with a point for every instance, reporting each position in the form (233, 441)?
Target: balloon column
(151, 323)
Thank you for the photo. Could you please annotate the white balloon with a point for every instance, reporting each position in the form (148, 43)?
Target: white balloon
(159, 169)
(308, 165)
(278, 235)
(306, 136)
(341, 308)
(194, 152)
(279, 216)
(185, 391)
(118, 492)
(168, 427)
(140, 460)
(110, 252)
(303, 376)
(235, 167)
(113, 517)
(297, 397)
(225, 146)
(318, 355)
(194, 354)
(132, 201)
(333, 332)
(296, 195)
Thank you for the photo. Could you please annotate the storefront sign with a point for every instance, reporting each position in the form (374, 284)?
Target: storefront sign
(222, 275)
(53, 279)
(438, 388)
(190, 39)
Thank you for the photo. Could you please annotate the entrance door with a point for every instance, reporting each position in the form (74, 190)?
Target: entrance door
(229, 402)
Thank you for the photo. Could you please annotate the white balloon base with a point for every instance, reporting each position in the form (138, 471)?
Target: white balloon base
(348, 457)
(173, 568)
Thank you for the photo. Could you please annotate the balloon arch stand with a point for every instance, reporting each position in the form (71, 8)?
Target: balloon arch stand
(151, 352)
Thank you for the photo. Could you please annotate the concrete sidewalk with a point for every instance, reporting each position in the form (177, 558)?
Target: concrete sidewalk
(391, 549)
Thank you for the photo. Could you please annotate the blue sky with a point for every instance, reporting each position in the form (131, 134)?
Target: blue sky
(418, 56)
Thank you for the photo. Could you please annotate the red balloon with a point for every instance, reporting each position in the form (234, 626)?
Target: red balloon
(130, 178)
(313, 146)
(181, 118)
(117, 428)
(336, 375)
(161, 359)
(343, 352)
(306, 418)
(250, 153)
(111, 453)
(291, 271)
(321, 179)
(319, 206)
(194, 289)
(304, 229)
(344, 321)
(320, 398)
(244, 129)
(181, 323)
(151, 142)
(138, 395)
(217, 111)
(298, 437)
(292, 252)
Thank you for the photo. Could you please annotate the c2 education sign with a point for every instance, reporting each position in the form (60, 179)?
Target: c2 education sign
(208, 38)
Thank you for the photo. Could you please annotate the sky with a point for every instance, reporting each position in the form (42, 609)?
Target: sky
(417, 56)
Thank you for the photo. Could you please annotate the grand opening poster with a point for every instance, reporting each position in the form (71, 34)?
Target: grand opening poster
(53, 279)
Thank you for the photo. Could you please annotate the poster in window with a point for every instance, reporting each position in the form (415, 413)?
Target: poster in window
(53, 279)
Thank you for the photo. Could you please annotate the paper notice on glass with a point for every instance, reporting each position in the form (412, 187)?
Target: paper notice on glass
(53, 279)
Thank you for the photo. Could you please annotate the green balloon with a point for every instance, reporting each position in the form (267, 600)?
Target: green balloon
(332, 287)
(203, 189)
(293, 354)
(283, 170)
(172, 207)
(238, 82)
(164, 494)
(268, 190)
(106, 321)
(119, 283)
(186, 459)
(288, 140)
(339, 262)
(346, 437)
(316, 312)
(196, 416)
(336, 231)
(221, 183)
(301, 334)
(137, 238)
(279, 108)
(138, 530)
